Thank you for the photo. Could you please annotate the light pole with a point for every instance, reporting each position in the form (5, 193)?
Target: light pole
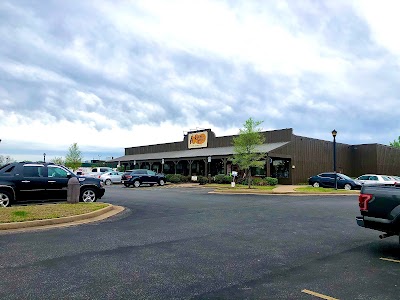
(44, 157)
(334, 133)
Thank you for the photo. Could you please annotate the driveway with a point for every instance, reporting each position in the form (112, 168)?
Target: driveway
(185, 243)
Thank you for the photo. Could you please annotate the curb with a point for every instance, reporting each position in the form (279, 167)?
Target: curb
(280, 193)
(100, 214)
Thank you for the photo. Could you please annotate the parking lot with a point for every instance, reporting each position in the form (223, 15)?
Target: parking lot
(185, 243)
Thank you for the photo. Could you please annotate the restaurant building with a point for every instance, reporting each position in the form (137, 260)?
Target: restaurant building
(289, 158)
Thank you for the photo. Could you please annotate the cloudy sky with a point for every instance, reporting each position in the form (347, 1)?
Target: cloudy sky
(114, 74)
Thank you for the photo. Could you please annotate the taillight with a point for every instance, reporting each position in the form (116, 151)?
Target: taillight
(128, 176)
(363, 200)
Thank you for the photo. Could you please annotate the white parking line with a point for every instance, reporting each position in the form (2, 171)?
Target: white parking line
(322, 296)
(389, 259)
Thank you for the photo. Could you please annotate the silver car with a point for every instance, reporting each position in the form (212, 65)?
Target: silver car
(376, 179)
(111, 177)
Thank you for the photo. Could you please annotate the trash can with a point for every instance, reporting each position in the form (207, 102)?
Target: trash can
(73, 190)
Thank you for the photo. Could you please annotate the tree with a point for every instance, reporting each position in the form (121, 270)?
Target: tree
(245, 145)
(58, 160)
(73, 159)
(395, 143)
(6, 159)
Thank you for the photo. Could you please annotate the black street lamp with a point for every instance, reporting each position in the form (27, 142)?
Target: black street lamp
(334, 133)
(44, 157)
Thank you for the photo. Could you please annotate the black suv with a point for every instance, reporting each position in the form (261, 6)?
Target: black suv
(27, 181)
(142, 176)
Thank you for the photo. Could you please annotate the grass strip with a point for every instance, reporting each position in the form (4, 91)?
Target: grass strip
(320, 190)
(240, 187)
(46, 211)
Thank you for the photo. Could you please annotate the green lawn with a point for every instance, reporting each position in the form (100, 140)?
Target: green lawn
(239, 187)
(46, 211)
(310, 189)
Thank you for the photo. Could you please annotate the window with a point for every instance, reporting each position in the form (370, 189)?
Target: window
(33, 171)
(151, 173)
(373, 178)
(280, 168)
(57, 172)
(364, 177)
(9, 170)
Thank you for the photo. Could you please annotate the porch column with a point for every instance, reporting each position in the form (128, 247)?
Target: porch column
(224, 160)
(268, 166)
(175, 163)
(190, 162)
(205, 166)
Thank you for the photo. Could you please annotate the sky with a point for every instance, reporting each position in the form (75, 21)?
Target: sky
(108, 75)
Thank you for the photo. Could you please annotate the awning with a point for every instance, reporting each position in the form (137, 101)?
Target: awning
(193, 153)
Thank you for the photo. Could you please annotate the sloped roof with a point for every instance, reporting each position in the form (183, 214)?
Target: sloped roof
(194, 153)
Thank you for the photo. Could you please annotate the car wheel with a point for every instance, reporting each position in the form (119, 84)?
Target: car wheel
(88, 195)
(161, 182)
(136, 183)
(315, 184)
(347, 187)
(5, 199)
(108, 182)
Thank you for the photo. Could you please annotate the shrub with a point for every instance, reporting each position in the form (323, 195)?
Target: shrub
(259, 181)
(221, 178)
(202, 179)
(271, 181)
(174, 178)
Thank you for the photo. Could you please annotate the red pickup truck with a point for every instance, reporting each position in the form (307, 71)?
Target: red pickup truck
(380, 209)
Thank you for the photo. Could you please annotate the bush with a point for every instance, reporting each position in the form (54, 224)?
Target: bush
(174, 178)
(259, 181)
(271, 181)
(202, 179)
(221, 178)
(177, 178)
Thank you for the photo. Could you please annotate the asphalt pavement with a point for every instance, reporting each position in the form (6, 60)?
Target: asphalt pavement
(183, 243)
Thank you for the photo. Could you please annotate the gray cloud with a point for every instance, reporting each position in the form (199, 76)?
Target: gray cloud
(69, 61)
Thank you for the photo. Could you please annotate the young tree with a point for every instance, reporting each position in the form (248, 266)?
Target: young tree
(245, 145)
(58, 160)
(73, 159)
(395, 143)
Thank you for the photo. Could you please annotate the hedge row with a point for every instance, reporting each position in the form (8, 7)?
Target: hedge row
(220, 178)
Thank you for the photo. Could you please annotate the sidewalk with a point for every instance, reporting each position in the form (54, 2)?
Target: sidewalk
(286, 189)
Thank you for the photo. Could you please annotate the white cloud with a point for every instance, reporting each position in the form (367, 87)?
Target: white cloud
(115, 75)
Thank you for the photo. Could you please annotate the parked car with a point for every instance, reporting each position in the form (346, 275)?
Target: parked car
(396, 179)
(111, 177)
(376, 179)
(327, 180)
(142, 176)
(22, 181)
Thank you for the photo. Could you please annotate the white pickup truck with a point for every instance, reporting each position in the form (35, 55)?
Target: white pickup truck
(97, 171)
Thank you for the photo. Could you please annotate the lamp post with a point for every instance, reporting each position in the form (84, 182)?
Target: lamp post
(44, 157)
(334, 133)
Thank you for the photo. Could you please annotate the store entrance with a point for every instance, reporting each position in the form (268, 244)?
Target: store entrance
(280, 169)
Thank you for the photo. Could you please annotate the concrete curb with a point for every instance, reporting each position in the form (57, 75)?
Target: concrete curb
(280, 193)
(93, 216)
